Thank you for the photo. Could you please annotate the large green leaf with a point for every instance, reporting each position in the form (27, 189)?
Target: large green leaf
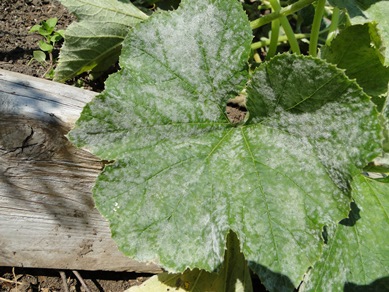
(184, 176)
(351, 50)
(357, 255)
(94, 43)
(385, 114)
(375, 11)
(316, 109)
(233, 276)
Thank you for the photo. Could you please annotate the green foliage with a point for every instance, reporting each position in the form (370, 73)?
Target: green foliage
(375, 13)
(352, 51)
(284, 183)
(234, 275)
(357, 252)
(51, 36)
(94, 43)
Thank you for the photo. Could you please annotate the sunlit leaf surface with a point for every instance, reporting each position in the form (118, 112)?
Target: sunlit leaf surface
(357, 255)
(94, 43)
(184, 175)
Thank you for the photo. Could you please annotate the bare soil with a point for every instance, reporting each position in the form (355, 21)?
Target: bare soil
(16, 43)
(42, 280)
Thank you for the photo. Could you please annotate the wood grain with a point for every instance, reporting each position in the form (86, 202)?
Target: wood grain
(47, 215)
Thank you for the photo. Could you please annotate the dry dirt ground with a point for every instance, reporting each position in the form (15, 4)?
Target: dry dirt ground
(16, 44)
(42, 280)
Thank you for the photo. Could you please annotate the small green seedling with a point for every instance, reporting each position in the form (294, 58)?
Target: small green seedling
(47, 30)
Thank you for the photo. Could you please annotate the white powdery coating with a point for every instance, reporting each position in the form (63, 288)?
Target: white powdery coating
(315, 101)
(179, 188)
(335, 131)
(359, 253)
(201, 45)
(292, 200)
(179, 191)
(178, 67)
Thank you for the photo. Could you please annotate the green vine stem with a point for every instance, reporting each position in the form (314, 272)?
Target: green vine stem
(319, 11)
(290, 35)
(274, 38)
(333, 26)
(264, 42)
(275, 32)
(287, 28)
(283, 12)
(283, 38)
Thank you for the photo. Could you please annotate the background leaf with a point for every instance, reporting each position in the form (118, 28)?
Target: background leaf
(94, 43)
(376, 12)
(351, 50)
(356, 257)
(51, 23)
(44, 46)
(39, 56)
(184, 176)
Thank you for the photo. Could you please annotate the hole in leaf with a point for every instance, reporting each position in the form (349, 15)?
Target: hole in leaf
(324, 234)
(236, 110)
(353, 216)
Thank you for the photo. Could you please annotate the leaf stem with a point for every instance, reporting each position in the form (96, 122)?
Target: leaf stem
(283, 12)
(287, 28)
(275, 32)
(319, 12)
(333, 26)
(283, 38)
(274, 38)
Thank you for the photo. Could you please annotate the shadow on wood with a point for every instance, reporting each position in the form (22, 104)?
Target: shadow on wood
(47, 214)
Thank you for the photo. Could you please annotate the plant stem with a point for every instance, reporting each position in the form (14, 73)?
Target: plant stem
(275, 31)
(283, 12)
(283, 38)
(290, 35)
(333, 25)
(287, 28)
(266, 42)
(319, 11)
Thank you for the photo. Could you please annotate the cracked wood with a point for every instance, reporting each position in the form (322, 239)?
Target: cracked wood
(47, 214)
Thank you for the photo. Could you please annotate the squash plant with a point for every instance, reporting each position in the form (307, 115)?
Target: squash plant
(284, 192)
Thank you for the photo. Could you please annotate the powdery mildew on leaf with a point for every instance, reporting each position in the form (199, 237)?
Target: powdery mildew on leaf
(315, 104)
(184, 176)
(326, 113)
(385, 115)
(357, 253)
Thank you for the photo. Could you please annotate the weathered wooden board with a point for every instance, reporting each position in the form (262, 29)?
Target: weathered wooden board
(47, 215)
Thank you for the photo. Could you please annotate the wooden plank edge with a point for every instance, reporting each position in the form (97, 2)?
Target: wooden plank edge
(47, 215)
